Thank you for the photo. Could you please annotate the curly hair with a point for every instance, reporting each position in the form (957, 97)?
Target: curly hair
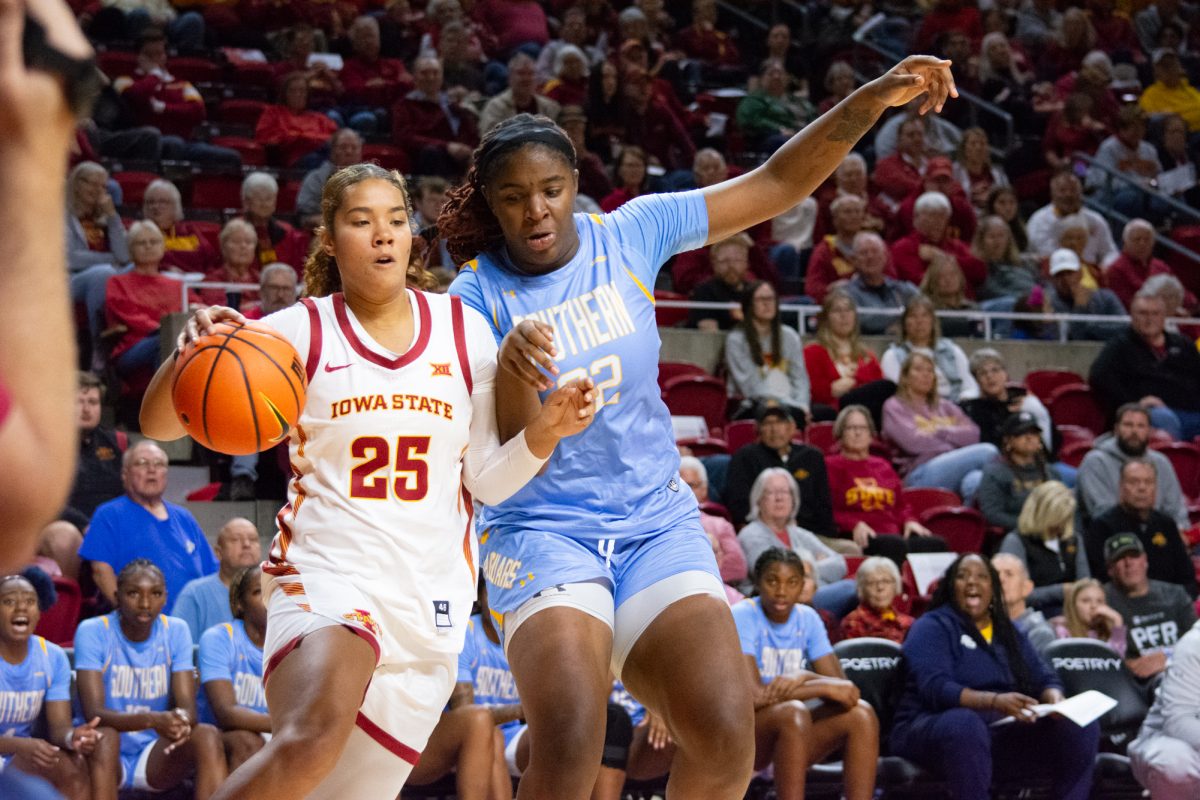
(239, 585)
(467, 223)
(321, 274)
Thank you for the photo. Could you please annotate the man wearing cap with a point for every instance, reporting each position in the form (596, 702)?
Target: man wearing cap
(775, 448)
(1068, 295)
(1147, 364)
(939, 177)
(1066, 197)
(1156, 614)
(1022, 466)
(1166, 556)
(1100, 471)
(931, 241)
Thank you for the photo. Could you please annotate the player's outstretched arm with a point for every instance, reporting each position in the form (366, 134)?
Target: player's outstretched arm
(808, 158)
(157, 416)
(38, 434)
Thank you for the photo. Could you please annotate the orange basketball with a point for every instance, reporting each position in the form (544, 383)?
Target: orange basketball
(239, 390)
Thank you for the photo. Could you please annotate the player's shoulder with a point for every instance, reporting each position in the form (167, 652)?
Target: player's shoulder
(744, 610)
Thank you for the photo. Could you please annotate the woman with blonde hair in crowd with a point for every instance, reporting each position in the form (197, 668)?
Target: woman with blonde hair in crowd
(1086, 615)
(842, 370)
(920, 329)
(1008, 274)
(973, 167)
(946, 286)
(938, 444)
(1045, 541)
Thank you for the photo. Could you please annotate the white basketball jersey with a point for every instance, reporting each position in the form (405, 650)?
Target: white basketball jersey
(376, 501)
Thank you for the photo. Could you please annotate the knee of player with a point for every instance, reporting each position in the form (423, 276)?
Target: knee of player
(718, 728)
(207, 739)
(108, 748)
(242, 744)
(788, 715)
(862, 715)
(304, 749)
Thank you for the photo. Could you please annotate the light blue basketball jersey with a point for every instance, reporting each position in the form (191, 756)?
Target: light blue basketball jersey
(484, 665)
(227, 654)
(621, 696)
(781, 650)
(44, 675)
(137, 675)
(619, 478)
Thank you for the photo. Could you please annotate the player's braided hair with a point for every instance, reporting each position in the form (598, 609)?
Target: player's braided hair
(239, 585)
(777, 555)
(467, 223)
(140, 565)
(321, 275)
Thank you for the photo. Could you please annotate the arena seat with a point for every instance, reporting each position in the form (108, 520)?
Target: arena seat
(115, 63)
(241, 111)
(740, 433)
(963, 528)
(58, 622)
(216, 191)
(194, 70)
(715, 510)
(669, 317)
(1072, 453)
(670, 369)
(820, 435)
(1077, 404)
(253, 154)
(697, 396)
(1084, 664)
(288, 191)
(1074, 433)
(706, 446)
(920, 499)
(1185, 458)
(1042, 382)
(133, 185)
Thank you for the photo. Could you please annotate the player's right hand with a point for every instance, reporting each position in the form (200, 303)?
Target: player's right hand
(527, 347)
(570, 409)
(204, 321)
(41, 753)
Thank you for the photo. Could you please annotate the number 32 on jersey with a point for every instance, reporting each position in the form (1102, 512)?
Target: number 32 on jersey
(606, 371)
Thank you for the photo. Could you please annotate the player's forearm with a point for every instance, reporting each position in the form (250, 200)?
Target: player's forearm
(506, 713)
(157, 416)
(238, 718)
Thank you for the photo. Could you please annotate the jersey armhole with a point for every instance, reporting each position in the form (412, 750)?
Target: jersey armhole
(314, 338)
(460, 341)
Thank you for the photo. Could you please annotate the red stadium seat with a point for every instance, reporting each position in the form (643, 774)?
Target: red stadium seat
(205, 494)
(669, 317)
(715, 509)
(671, 369)
(911, 599)
(195, 70)
(740, 433)
(1044, 381)
(58, 622)
(288, 190)
(1072, 453)
(387, 156)
(216, 191)
(133, 185)
(852, 565)
(820, 435)
(697, 396)
(115, 63)
(253, 154)
(1077, 404)
(1185, 458)
(963, 528)
(1075, 433)
(211, 231)
(920, 499)
(705, 446)
(241, 111)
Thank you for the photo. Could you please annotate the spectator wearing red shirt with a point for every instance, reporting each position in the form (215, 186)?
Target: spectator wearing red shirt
(372, 82)
(1114, 32)
(945, 16)
(704, 42)
(930, 239)
(1076, 38)
(832, 255)
(851, 178)
(630, 174)
(138, 300)
(653, 127)
(187, 250)
(1136, 262)
(1093, 78)
(324, 86)
(438, 133)
(569, 86)
(939, 177)
(277, 240)
(155, 96)
(868, 505)
(517, 24)
(838, 363)
(297, 135)
(899, 175)
(878, 584)
(239, 264)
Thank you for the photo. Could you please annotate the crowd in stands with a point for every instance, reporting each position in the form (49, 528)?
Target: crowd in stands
(205, 158)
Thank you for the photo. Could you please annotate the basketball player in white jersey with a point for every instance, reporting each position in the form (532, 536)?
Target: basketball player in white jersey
(371, 576)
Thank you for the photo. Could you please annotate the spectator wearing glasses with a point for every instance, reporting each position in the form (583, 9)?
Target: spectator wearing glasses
(141, 524)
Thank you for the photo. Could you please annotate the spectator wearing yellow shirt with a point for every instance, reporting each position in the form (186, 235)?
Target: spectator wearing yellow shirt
(1171, 92)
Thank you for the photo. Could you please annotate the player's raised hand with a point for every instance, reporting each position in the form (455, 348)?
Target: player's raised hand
(527, 347)
(570, 408)
(913, 77)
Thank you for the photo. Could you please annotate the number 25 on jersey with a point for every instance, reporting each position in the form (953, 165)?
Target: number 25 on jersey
(409, 478)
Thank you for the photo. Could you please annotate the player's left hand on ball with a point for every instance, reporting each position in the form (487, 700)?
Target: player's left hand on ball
(571, 408)
(913, 77)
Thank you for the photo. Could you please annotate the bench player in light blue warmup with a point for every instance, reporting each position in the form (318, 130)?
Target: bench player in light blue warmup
(600, 562)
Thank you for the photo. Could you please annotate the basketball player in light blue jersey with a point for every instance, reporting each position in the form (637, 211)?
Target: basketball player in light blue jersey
(231, 670)
(35, 682)
(600, 563)
(134, 671)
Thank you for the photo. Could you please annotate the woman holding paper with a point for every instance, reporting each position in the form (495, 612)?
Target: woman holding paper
(968, 667)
